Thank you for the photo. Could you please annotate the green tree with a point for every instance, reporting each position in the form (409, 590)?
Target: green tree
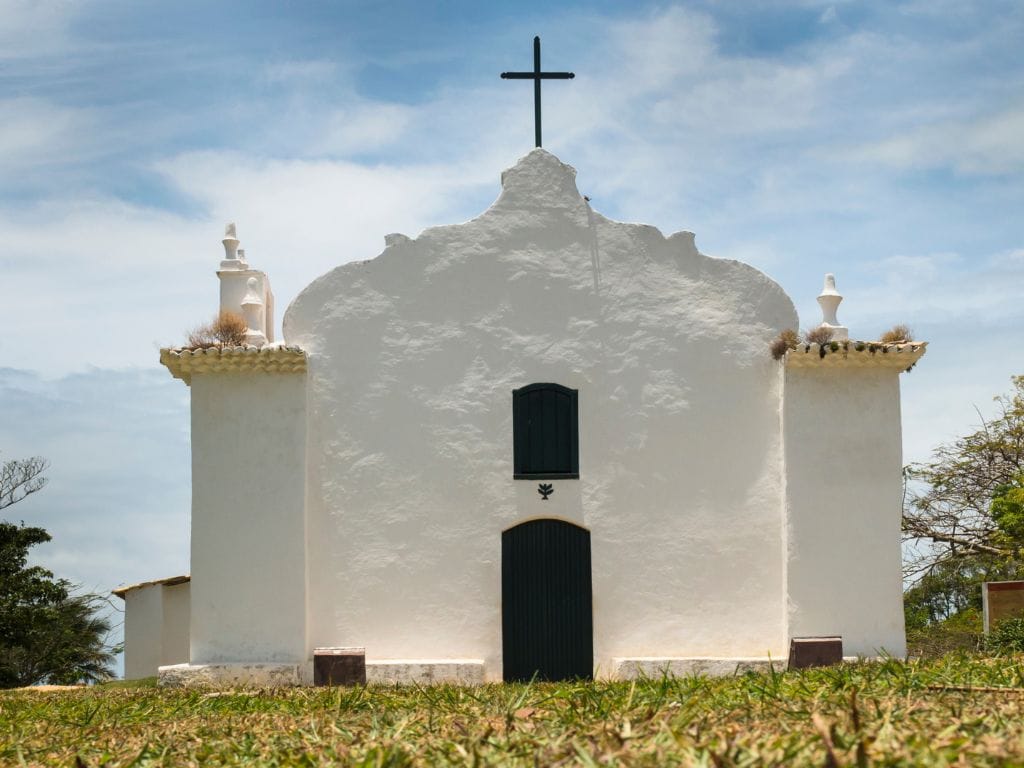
(949, 514)
(47, 633)
(963, 520)
(1008, 514)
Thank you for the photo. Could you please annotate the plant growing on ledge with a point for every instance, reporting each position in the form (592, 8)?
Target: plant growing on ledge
(785, 341)
(898, 334)
(820, 335)
(227, 329)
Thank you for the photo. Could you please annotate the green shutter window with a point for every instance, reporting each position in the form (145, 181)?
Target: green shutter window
(545, 426)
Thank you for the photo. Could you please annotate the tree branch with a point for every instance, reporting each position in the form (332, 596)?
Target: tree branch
(20, 478)
(970, 546)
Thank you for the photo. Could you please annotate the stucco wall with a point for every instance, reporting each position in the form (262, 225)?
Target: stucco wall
(844, 488)
(413, 359)
(143, 627)
(248, 588)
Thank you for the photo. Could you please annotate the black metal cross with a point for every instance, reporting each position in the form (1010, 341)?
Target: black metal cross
(537, 76)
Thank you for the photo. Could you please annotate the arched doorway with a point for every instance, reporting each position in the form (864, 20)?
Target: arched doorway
(546, 601)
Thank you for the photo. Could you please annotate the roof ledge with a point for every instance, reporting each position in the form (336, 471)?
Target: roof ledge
(857, 354)
(168, 582)
(183, 363)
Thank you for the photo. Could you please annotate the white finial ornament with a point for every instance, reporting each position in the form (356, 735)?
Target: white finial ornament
(829, 300)
(230, 242)
(245, 291)
(253, 312)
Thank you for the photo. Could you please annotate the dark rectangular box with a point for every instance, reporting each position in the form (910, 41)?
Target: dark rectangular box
(807, 652)
(339, 666)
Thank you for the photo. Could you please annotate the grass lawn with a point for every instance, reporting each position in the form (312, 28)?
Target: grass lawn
(958, 710)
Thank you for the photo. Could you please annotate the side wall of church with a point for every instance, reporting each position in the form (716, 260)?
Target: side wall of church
(248, 587)
(413, 358)
(844, 488)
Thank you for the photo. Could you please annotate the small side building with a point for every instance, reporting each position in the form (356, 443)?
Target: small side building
(156, 625)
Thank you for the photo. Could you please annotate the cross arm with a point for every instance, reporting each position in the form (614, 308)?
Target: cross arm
(535, 76)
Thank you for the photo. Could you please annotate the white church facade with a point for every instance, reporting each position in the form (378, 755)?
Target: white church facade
(537, 443)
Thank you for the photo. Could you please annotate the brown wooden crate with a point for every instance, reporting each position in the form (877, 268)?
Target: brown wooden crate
(339, 666)
(807, 652)
(1005, 601)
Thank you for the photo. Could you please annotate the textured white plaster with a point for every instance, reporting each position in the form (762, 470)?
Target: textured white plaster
(267, 675)
(413, 357)
(632, 669)
(248, 588)
(425, 672)
(844, 491)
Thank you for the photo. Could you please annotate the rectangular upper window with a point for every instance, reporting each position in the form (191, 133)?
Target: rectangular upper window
(545, 425)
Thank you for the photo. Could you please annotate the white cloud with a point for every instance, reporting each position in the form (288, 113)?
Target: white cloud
(302, 72)
(944, 289)
(97, 282)
(989, 144)
(30, 28)
(364, 127)
(36, 133)
(653, 53)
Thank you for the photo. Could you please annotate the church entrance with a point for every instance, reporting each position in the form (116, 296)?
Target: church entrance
(546, 610)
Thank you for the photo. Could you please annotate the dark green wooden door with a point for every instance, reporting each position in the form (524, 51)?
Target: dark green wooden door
(546, 609)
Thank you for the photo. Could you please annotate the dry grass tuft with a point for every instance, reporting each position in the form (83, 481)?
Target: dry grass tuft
(820, 335)
(228, 329)
(784, 342)
(898, 334)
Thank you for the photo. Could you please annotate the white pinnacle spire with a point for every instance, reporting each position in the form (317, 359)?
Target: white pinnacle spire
(829, 300)
(230, 242)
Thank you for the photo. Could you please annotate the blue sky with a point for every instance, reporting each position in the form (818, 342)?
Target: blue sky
(882, 141)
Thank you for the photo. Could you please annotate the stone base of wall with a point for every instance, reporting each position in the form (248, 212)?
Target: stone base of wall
(425, 672)
(240, 675)
(631, 669)
(276, 675)
(455, 671)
